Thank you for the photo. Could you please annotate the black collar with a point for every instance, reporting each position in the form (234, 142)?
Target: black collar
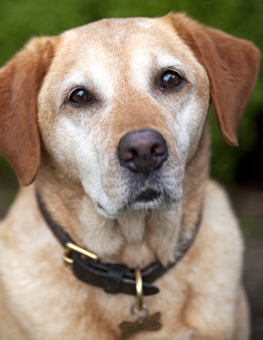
(113, 278)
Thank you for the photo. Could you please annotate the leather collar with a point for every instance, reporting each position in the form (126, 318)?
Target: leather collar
(112, 277)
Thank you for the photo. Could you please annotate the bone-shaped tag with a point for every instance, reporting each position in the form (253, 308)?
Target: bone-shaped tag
(152, 323)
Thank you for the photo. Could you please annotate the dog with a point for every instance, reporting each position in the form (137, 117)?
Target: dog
(106, 129)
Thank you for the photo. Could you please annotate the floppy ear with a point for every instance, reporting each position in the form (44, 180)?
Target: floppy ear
(20, 81)
(231, 65)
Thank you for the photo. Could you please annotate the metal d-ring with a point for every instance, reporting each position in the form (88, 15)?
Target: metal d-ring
(139, 288)
(139, 296)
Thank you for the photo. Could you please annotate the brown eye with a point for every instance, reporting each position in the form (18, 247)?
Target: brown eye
(79, 96)
(170, 79)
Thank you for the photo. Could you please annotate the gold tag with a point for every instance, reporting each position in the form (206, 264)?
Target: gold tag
(152, 323)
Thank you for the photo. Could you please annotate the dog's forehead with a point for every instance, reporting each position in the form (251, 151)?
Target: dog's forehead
(115, 43)
(123, 34)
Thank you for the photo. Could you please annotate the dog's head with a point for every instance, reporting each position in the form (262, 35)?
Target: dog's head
(119, 105)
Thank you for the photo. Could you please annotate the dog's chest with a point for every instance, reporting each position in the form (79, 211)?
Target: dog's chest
(50, 308)
(44, 299)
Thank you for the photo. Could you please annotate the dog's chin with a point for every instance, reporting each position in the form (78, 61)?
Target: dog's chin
(152, 205)
(145, 200)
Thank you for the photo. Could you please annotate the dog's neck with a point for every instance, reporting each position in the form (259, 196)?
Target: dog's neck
(136, 238)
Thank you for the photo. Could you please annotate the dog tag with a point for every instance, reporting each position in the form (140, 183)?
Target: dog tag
(151, 323)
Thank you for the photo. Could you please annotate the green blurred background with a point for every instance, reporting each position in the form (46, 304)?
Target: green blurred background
(239, 169)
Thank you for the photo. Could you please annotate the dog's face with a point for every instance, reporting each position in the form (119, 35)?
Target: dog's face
(122, 109)
(121, 104)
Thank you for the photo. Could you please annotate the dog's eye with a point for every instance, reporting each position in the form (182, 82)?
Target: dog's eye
(80, 96)
(170, 79)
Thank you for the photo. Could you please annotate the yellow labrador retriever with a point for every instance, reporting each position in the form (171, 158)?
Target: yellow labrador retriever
(108, 121)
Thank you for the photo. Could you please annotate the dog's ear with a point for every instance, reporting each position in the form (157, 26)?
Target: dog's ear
(231, 65)
(20, 81)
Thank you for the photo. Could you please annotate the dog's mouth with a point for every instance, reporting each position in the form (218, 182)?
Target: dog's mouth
(144, 199)
(142, 193)
(149, 199)
(147, 196)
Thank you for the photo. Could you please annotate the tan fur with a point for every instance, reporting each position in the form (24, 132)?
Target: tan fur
(85, 188)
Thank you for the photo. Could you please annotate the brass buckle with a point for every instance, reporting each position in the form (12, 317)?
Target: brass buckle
(69, 247)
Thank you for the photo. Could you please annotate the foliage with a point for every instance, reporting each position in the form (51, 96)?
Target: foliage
(22, 19)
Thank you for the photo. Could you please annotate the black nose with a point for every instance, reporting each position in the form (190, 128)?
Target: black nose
(142, 151)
